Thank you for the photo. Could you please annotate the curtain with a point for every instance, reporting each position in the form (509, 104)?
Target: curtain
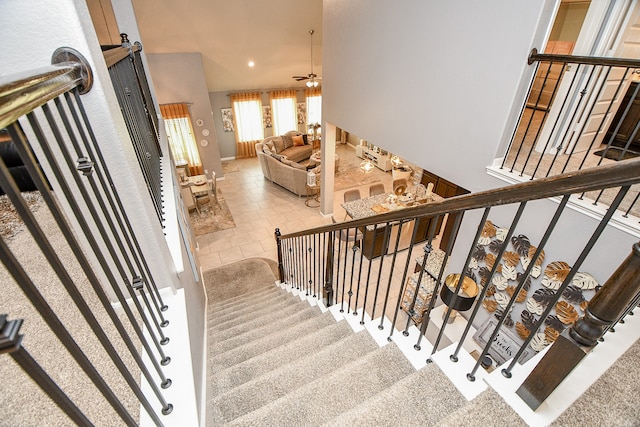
(247, 117)
(314, 109)
(283, 111)
(177, 122)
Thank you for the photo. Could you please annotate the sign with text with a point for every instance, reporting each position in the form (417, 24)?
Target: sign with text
(505, 344)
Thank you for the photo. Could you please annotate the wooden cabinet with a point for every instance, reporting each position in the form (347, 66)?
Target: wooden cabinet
(446, 189)
(382, 161)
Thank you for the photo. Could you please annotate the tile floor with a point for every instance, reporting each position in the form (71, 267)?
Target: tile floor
(259, 206)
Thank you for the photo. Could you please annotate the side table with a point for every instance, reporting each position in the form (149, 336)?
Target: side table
(313, 196)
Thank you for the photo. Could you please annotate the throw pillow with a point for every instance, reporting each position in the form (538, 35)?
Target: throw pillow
(304, 137)
(266, 149)
(279, 157)
(298, 141)
(279, 144)
(288, 142)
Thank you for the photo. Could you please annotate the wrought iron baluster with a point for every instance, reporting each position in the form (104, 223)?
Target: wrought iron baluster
(11, 343)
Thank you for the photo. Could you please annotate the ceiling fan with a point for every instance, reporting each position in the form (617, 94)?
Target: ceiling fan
(312, 79)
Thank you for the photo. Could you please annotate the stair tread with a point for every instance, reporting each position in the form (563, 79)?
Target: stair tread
(487, 408)
(218, 306)
(290, 376)
(336, 392)
(234, 318)
(257, 341)
(403, 403)
(261, 322)
(259, 365)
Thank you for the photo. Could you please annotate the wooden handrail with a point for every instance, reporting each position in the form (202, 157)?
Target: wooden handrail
(596, 178)
(586, 60)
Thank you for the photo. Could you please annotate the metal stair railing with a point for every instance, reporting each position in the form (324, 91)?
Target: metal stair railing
(319, 264)
(44, 118)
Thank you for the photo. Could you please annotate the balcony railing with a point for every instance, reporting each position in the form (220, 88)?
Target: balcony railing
(64, 273)
(134, 96)
(580, 112)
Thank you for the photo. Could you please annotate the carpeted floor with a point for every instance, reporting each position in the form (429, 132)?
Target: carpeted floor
(24, 403)
(212, 217)
(277, 360)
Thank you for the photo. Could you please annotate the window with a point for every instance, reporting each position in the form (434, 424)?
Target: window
(283, 110)
(177, 122)
(314, 107)
(247, 114)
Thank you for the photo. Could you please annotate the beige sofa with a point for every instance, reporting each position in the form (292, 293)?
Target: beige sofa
(279, 161)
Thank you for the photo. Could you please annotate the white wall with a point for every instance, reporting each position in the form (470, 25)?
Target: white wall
(32, 31)
(425, 76)
(179, 77)
(440, 83)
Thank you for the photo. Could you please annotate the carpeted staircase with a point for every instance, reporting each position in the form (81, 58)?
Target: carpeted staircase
(278, 361)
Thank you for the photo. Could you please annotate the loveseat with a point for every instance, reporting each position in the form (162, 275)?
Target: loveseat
(279, 158)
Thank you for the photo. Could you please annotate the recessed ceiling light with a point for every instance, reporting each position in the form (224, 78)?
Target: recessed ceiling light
(251, 63)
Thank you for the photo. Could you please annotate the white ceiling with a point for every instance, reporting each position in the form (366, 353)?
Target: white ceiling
(229, 33)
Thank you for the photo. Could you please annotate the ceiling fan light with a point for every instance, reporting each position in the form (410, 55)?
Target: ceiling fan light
(310, 83)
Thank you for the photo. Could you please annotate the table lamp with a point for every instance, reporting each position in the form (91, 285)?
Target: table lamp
(464, 300)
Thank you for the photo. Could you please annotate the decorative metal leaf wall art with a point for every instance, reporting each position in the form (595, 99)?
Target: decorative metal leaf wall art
(551, 335)
(484, 272)
(534, 306)
(539, 342)
(479, 253)
(491, 291)
(543, 296)
(584, 281)
(495, 245)
(509, 272)
(501, 234)
(527, 283)
(528, 320)
(508, 321)
(566, 313)
(490, 260)
(555, 323)
(522, 331)
(521, 244)
(501, 299)
(530, 303)
(557, 270)
(488, 232)
(499, 281)
(522, 295)
(573, 294)
(510, 258)
(490, 305)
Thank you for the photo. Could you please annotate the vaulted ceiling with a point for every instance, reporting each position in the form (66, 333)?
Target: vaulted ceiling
(230, 33)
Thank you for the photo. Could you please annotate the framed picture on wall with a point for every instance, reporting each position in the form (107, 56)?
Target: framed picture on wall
(227, 119)
(302, 113)
(266, 116)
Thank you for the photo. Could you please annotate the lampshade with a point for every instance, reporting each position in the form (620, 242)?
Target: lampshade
(366, 166)
(468, 292)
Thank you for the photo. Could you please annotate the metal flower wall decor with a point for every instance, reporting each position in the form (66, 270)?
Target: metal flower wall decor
(539, 288)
